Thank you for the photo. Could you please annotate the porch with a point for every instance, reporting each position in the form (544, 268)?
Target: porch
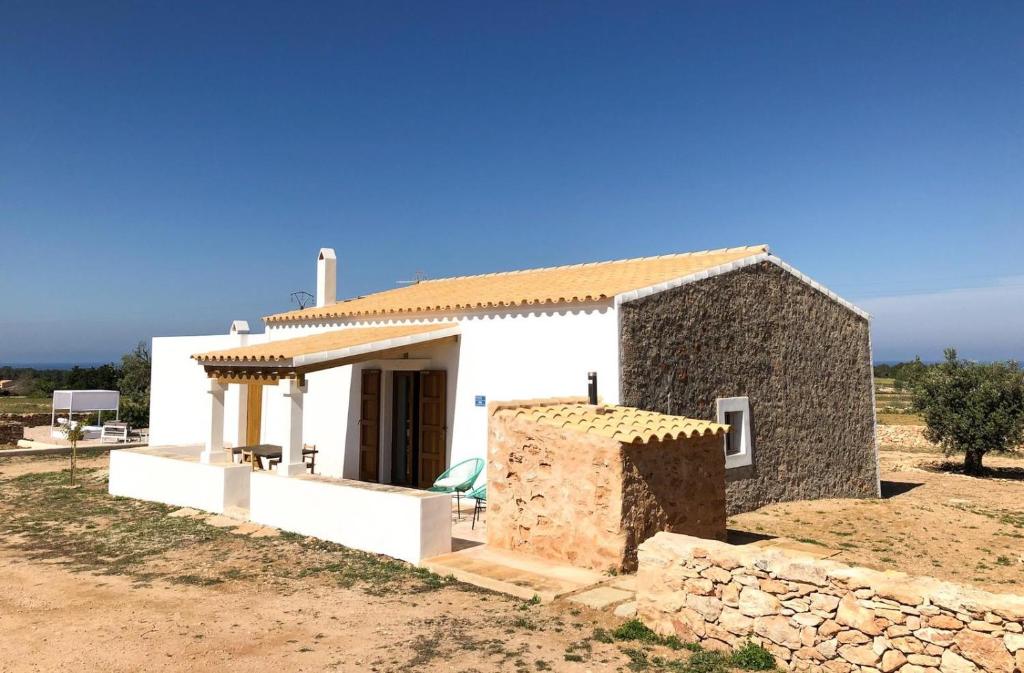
(404, 523)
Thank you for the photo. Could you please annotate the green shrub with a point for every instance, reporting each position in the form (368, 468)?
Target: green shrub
(635, 629)
(753, 657)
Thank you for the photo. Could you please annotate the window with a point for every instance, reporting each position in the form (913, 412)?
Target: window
(735, 412)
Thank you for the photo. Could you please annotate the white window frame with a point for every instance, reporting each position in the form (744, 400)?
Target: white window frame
(746, 455)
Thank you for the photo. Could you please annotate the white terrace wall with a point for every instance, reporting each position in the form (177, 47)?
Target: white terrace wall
(819, 615)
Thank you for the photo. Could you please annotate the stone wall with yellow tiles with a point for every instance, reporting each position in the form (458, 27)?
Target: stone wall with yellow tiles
(802, 359)
(588, 500)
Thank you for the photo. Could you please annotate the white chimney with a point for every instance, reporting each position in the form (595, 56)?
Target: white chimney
(239, 327)
(326, 277)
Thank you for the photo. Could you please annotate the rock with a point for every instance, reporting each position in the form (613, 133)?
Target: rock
(829, 628)
(1013, 641)
(852, 637)
(985, 627)
(891, 660)
(626, 610)
(954, 663)
(708, 607)
(757, 603)
(774, 586)
(796, 605)
(902, 592)
(937, 636)
(809, 573)
(807, 619)
(986, 651)
(734, 621)
(827, 648)
(908, 645)
(809, 653)
(731, 594)
(1018, 659)
(1013, 627)
(945, 622)
(688, 625)
(700, 586)
(717, 575)
(924, 660)
(823, 602)
(897, 631)
(880, 644)
(778, 630)
(850, 613)
(862, 655)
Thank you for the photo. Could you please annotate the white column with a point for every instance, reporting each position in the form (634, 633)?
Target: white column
(214, 451)
(291, 452)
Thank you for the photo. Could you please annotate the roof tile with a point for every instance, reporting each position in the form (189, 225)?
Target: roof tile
(622, 424)
(576, 283)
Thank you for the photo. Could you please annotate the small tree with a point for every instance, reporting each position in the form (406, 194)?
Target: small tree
(134, 386)
(971, 407)
(73, 431)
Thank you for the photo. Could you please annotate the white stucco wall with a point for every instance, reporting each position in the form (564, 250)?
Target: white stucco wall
(138, 473)
(400, 522)
(179, 404)
(515, 354)
(501, 356)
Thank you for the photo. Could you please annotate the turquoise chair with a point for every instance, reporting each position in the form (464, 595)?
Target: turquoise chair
(458, 479)
(479, 495)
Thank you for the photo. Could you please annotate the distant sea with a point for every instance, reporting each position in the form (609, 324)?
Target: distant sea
(52, 365)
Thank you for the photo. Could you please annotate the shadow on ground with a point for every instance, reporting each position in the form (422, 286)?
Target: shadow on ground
(890, 489)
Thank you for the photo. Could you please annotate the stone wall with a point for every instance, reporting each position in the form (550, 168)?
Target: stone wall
(819, 615)
(11, 432)
(589, 500)
(802, 359)
(28, 420)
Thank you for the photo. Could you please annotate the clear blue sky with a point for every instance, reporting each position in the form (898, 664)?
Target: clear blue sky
(167, 167)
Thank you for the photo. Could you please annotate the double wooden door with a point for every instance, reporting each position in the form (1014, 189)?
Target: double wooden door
(418, 426)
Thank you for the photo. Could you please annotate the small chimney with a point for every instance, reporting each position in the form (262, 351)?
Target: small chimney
(239, 327)
(326, 278)
(592, 387)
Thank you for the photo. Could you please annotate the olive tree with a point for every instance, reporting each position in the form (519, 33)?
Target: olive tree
(971, 407)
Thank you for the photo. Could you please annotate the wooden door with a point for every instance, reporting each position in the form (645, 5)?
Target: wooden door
(253, 413)
(433, 428)
(369, 426)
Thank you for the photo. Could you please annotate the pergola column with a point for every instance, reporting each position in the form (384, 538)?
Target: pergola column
(214, 449)
(291, 452)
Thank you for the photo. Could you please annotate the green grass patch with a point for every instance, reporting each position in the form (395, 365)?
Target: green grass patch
(91, 531)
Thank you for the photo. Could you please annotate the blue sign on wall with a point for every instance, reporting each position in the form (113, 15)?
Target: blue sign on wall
(481, 401)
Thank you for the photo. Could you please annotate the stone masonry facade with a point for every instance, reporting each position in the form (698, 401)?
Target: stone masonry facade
(588, 500)
(819, 615)
(801, 358)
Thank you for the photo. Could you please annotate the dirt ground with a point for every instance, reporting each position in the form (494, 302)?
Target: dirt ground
(93, 583)
(930, 521)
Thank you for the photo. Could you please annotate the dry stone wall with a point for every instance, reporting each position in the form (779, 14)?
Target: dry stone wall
(590, 500)
(819, 615)
(802, 359)
(11, 432)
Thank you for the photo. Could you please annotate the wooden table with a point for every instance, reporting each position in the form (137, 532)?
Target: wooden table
(256, 451)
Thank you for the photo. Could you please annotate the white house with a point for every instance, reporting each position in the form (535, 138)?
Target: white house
(392, 388)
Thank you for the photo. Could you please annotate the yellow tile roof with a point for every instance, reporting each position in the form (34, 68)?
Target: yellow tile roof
(576, 283)
(623, 424)
(284, 350)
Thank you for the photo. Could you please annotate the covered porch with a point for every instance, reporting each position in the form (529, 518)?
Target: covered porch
(407, 522)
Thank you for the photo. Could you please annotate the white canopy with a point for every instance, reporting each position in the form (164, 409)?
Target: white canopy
(86, 400)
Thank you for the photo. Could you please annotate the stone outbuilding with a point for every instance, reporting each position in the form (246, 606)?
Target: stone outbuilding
(586, 484)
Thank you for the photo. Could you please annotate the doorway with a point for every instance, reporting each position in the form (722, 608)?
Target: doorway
(253, 413)
(417, 452)
(405, 429)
